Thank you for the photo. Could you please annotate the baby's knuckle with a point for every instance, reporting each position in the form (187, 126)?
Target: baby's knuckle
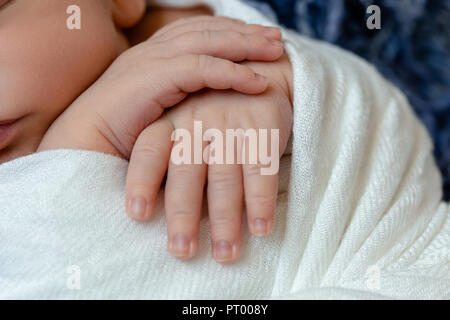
(206, 36)
(259, 41)
(191, 62)
(252, 170)
(203, 24)
(137, 183)
(181, 173)
(204, 62)
(222, 181)
(190, 38)
(149, 150)
(178, 213)
(235, 68)
(222, 218)
(240, 38)
(261, 198)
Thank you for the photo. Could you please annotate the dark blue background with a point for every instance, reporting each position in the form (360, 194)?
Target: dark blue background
(412, 49)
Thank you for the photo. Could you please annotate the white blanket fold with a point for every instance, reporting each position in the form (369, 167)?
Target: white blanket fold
(359, 212)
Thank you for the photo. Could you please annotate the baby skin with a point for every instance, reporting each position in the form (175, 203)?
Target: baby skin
(125, 112)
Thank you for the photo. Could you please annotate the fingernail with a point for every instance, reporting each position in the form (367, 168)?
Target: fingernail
(223, 251)
(181, 246)
(260, 227)
(276, 43)
(138, 207)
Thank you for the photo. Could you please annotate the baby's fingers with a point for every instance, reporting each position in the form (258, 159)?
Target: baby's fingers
(225, 44)
(260, 199)
(183, 200)
(215, 23)
(225, 202)
(169, 29)
(192, 73)
(148, 165)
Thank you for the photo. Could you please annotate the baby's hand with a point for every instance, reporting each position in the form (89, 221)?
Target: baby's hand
(183, 57)
(228, 185)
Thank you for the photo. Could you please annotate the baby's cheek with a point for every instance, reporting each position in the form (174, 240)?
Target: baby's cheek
(44, 66)
(49, 62)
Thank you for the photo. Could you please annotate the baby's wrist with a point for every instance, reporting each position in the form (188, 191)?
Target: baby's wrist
(76, 129)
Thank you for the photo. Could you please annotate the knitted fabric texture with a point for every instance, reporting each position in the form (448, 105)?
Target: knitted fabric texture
(412, 49)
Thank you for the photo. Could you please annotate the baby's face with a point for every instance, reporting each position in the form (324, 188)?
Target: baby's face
(44, 66)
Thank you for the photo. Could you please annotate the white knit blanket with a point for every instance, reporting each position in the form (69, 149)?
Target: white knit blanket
(359, 212)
